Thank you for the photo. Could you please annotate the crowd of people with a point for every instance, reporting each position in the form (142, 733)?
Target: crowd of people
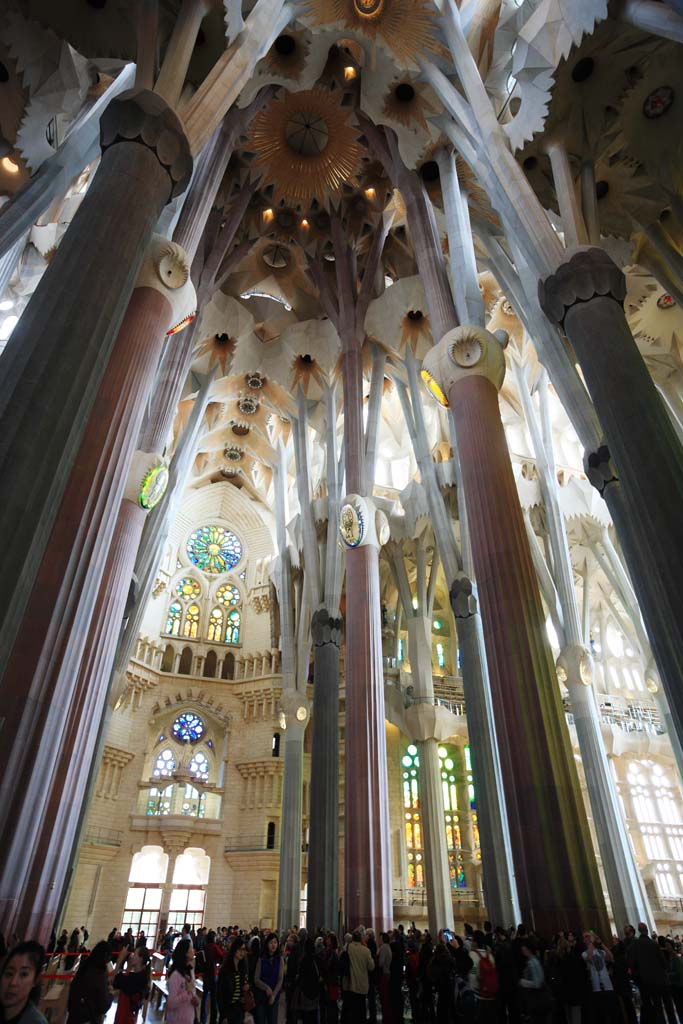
(484, 976)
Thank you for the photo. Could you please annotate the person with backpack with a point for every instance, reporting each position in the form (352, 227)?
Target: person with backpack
(307, 998)
(483, 978)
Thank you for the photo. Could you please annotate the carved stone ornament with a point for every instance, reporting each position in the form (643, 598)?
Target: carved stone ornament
(166, 269)
(326, 629)
(587, 274)
(146, 118)
(462, 597)
(600, 469)
(575, 665)
(147, 480)
(466, 351)
(361, 522)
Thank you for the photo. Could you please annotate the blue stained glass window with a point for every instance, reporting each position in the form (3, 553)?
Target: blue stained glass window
(188, 727)
(213, 549)
(232, 631)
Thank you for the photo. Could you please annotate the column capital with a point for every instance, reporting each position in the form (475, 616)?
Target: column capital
(146, 118)
(588, 274)
(600, 469)
(466, 351)
(462, 597)
(325, 629)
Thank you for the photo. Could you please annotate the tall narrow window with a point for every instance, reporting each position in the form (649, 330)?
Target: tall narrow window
(175, 613)
(232, 631)
(440, 656)
(215, 631)
(276, 744)
(270, 836)
(191, 627)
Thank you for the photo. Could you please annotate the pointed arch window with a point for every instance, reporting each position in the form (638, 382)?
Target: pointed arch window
(191, 627)
(215, 630)
(175, 614)
(199, 765)
(164, 766)
(232, 631)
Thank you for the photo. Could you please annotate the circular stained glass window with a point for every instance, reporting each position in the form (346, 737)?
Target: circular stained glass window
(187, 588)
(214, 549)
(228, 594)
(188, 727)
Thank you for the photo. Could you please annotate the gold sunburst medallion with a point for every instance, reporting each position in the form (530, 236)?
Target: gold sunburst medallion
(407, 28)
(306, 146)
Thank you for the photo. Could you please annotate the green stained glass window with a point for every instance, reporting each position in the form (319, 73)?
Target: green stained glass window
(175, 614)
(213, 549)
(191, 627)
(228, 594)
(232, 632)
(188, 589)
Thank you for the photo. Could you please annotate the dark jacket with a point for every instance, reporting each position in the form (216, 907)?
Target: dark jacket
(646, 962)
(225, 986)
(89, 996)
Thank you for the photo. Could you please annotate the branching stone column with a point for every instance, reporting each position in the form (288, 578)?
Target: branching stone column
(585, 296)
(426, 727)
(323, 847)
(556, 873)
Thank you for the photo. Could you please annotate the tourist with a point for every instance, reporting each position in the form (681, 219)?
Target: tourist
(536, 997)
(398, 945)
(72, 947)
(674, 976)
(603, 1000)
(181, 1002)
(570, 973)
(91, 995)
(442, 973)
(329, 963)
(233, 983)
(20, 984)
(133, 985)
(384, 957)
(307, 1000)
(647, 967)
(213, 956)
(360, 967)
(483, 978)
(268, 981)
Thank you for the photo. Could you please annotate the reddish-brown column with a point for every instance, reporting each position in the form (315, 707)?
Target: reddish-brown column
(555, 868)
(46, 722)
(367, 850)
(51, 862)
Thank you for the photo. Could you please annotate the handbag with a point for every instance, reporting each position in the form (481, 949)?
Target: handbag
(248, 1001)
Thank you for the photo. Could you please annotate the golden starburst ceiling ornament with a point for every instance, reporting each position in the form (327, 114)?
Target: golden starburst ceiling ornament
(305, 146)
(219, 348)
(407, 104)
(406, 28)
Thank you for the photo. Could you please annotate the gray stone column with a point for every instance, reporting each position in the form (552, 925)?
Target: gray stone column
(494, 837)
(289, 885)
(323, 847)
(585, 297)
(58, 353)
(434, 847)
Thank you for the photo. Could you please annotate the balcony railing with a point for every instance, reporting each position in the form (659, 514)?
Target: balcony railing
(417, 897)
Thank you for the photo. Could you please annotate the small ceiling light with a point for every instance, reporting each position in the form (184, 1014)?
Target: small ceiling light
(370, 193)
(268, 216)
(6, 304)
(437, 624)
(349, 73)
(304, 223)
(9, 165)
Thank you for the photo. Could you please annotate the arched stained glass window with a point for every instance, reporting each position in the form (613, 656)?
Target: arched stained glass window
(228, 594)
(215, 631)
(214, 549)
(413, 824)
(164, 766)
(175, 613)
(193, 804)
(191, 627)
(232, 631)
(199, 765)
(188, 727)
